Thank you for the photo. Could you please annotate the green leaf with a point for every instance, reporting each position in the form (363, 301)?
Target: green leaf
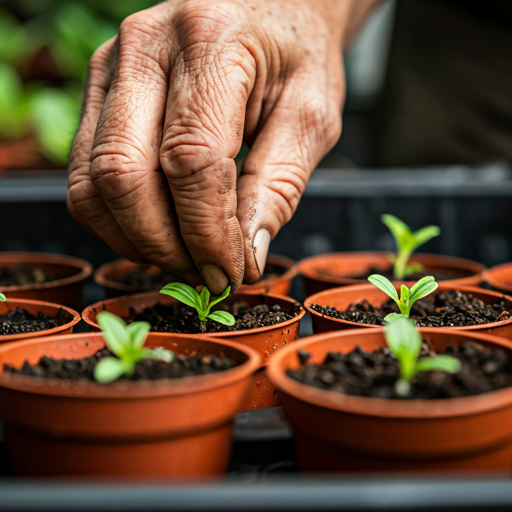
(443, 363)
(422, 288)
(55, 115)
(114, 331)
(159, 353)
(423, 235)
(393, 316)
(413, 267)
(404, 294)
(399, 229)
(205, 299)
(404, 341)
(221, 297)
(223, 317)
(184, 293)
(110, 369)
(138, 332)
(384, 285)
(2, 298)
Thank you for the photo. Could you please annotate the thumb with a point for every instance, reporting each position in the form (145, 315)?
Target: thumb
(303, 126)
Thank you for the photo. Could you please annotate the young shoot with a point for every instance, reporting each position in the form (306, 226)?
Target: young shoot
(408, 297)
(200, 302)
(406, 243)
(127, 343)
(2, 297)
(404, 342)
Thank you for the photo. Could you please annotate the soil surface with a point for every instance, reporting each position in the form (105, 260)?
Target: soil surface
(18, 321)
(142, 280)
(147, 369)
(374, 374)
(19, 275)
(180, 318)
(440, 274)
(444, 309)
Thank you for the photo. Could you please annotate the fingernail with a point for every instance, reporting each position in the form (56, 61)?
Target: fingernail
(261, 243)
(214, 278)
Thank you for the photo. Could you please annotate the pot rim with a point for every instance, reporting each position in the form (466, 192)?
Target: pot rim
(128, 390)
(229, 334)
(39, 334)
(490, 275)
(419, 409)
(34, 258)
(307, 268)
(101, 275)
(442, 286)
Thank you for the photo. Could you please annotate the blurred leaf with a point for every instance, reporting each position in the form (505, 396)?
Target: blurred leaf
(13, 114)
(78, 32)
(55, 119)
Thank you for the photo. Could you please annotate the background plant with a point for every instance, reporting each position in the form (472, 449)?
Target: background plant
(406, 243)
(45, 47)
(404, 342)
(200, 302)
(127, 343)
(408, 297)
(2, 298)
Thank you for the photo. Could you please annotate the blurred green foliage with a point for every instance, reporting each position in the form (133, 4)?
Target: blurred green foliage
(45, 47)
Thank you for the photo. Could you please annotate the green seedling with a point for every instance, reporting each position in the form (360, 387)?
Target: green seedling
(408, 297)
(127, 343)
(404, 342)
(200, 302)
(406, 243)
(2, 298)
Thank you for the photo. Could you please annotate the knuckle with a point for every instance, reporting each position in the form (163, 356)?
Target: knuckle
(321, 121)
(202, 20)
(180, 160)
(107, 165)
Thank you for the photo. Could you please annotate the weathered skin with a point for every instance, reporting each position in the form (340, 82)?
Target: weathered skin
(179, 89)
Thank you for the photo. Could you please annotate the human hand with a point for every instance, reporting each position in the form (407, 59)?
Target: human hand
(178, 90)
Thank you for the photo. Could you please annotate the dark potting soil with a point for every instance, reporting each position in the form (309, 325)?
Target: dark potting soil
(374, 374)
(439, 274)
(19, 321)
(146, 369)
(449, 308)
(19, 275)
(144, 280)
(180, 318)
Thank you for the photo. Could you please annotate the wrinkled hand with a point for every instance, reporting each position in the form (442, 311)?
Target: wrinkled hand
(178, 90)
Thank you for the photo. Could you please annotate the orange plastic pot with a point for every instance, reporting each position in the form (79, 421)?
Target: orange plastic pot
(109, 274)
(37, 306)
(265, 340)
(499, 277)
(336, 432)
(341, 298)
(169, 427)
(333, 270)
(67, 289)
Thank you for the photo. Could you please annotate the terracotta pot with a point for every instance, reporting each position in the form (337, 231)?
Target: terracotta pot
(265, 340)
(108, 276)
(34, 307)
(66, 290)
(341, 298)
(499, 277)
(332, 270)
(179, 427)
(336, 432)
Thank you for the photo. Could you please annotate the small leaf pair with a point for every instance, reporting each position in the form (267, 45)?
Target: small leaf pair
(406, 243)
(127, 343)
(407, 297)
(2, 297)
(200, 302)
(404, 342)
